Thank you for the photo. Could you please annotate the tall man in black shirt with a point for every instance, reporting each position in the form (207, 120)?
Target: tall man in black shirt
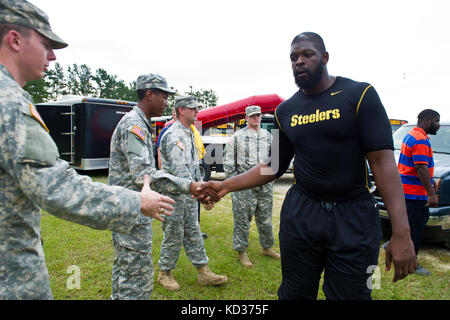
(329, 220)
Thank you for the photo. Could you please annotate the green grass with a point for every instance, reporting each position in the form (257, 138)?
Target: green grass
(67, 244)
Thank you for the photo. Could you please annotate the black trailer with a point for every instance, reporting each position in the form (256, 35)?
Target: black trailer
(82, 128)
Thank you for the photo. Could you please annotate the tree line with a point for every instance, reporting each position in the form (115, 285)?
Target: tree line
(80, 80)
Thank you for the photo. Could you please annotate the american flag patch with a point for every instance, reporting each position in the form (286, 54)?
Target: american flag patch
(37, 116)
(139, 132)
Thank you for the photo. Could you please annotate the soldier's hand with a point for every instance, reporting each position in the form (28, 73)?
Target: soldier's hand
(204, 195)
(154, 204)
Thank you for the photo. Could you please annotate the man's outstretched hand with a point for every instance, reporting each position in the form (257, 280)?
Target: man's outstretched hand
(204, 194)
(216, 186)
(259, 175)
(154, 204)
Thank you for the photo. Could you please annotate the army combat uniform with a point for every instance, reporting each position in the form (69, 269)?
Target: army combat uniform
(131, 158)
(244, 150)
(32, 176)
(179, 158)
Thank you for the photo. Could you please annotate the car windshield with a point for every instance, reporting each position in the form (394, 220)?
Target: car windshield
(439, 142)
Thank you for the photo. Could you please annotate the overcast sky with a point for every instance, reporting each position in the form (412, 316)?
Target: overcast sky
(241, 48)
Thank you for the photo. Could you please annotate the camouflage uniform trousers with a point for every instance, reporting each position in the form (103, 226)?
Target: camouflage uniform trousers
(256, 202)
(182, 229)
(132, 271)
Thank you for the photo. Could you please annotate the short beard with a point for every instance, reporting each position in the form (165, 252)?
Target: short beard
(313, 78)
(433, 131)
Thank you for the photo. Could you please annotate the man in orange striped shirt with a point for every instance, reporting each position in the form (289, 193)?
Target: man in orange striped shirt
(416, 166)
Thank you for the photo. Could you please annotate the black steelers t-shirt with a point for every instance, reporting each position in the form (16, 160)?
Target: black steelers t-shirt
(329, 133)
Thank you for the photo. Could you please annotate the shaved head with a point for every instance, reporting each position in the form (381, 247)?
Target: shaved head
(312, 37)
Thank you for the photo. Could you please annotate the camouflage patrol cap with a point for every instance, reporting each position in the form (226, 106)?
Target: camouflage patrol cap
(25, 14)
(153, 81)
(187, 102)
(252, 110)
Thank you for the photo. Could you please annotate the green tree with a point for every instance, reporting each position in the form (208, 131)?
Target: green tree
(125, 92)
(110, 87)
(39, 90)
(57, 82)
(207, 97)
(85, 80)
(80, 80)
(105, 83)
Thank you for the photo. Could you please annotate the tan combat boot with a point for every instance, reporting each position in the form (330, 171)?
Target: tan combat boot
(208, 278)
(166, 279)
(270, 253)
(245, 260)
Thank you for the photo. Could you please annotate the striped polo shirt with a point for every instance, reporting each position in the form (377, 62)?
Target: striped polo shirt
(416, 149)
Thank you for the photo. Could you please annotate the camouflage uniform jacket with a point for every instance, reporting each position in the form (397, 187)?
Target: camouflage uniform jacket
(178, 153)
(32, 176)
(245, 149)
(131, 158)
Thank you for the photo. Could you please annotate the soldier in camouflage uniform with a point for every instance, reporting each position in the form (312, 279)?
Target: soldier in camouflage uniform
(246, 148)
(179, 157)
(131, 157)
(32, 176)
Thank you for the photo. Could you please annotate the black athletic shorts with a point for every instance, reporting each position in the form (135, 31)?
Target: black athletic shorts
(341, 239)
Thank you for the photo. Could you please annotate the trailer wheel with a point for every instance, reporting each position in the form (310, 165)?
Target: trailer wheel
(205, 171)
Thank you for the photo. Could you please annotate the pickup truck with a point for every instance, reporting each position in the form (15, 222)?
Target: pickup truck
(437, 230)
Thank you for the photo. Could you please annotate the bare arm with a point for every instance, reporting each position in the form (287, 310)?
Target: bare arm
(401, 249)
(424, 175)
(259, 175)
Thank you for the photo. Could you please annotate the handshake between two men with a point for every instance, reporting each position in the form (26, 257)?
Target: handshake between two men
(154, 204)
